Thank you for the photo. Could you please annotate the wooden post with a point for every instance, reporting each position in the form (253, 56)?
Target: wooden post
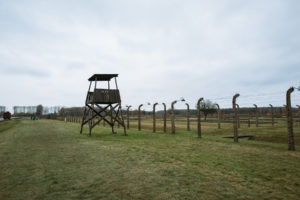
(256, 115)
(154, 118)
(165, 117)
(188, 128)
(235, 128)
(139, 117)
(199, 118)
(127, 113)
(238, 115)
(272, 114)
(289, 116)
(173, 117)
(219, 125)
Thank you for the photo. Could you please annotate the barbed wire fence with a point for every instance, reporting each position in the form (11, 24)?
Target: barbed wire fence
(143, 119)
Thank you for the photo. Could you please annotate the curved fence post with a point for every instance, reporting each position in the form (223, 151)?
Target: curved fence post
(199, 118)
(188, 117)
(219, 125)
(128, 107)
(235, 128)
(165, 117)
(154, 118)
(256, 115)
(272, 114)
(173, 117)
(289, 116)
(238, 116)
(139, 117)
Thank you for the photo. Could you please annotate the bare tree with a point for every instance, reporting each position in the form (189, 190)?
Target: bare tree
(2, 110)
(207, 107)
(39, 110)
(62, 112)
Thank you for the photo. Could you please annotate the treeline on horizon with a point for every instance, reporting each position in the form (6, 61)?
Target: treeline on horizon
(78, 111)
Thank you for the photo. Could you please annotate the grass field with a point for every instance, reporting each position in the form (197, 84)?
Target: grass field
(49, 159)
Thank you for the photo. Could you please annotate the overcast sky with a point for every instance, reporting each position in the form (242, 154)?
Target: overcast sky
(162, 50)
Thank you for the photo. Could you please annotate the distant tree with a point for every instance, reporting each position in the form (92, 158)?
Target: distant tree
(61, 112)
(7, 116)
(207, 107)
(39, 110)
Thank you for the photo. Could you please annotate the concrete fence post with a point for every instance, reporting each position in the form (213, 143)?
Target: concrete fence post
(289, 115)
(154, 118)
(139, 117)
(188, 117)
(238, 116)
(199, 118)
(173, 116)
(235, 128)
(165, 117)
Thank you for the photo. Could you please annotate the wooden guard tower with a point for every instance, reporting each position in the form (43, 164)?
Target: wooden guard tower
(102, 104)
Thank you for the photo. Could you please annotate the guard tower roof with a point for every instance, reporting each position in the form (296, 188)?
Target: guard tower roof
(102, 77)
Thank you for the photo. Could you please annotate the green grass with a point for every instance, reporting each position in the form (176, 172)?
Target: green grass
(5, 125)
(49, 159)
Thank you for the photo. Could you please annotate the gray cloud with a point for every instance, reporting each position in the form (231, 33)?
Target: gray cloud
(24, 70)
(161, 49)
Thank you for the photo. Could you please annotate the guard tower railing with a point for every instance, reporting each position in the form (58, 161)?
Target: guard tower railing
(104, 96)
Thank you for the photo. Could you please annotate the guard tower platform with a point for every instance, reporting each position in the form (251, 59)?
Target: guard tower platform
(102, 103)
